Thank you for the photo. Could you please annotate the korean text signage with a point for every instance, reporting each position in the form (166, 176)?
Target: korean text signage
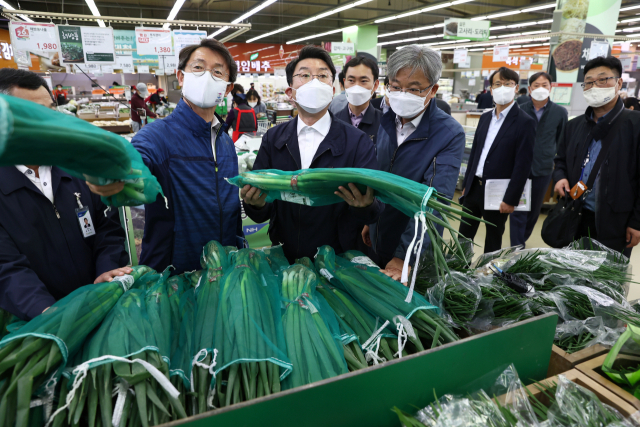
(184, 38)
(86, 45)
(343, 48)
(71, 44)
(34, 37)
(154, 41)
(458, 29)
(125, 41)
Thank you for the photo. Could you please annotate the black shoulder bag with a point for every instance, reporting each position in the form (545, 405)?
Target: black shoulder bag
(560, 226)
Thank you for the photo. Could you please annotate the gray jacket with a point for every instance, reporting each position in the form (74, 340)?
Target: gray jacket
(549, 131)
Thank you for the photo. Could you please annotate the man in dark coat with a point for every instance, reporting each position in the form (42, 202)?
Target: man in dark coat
(611, 210)
(45, 252)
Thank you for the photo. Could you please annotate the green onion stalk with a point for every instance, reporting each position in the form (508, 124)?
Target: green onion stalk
(573, 343)
(248, 336)
(28, 361)
(312, 349)
(317, 186)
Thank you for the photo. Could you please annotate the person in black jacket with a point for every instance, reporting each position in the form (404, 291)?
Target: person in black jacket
(242, 118)
(360, 82)
(550, 120)
(314, 139)
(45, 252)
(611, 210)
(379, 102)
(484, 100)
(502, 149)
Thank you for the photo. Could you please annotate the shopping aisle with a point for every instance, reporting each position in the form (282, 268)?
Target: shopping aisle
(535, 241)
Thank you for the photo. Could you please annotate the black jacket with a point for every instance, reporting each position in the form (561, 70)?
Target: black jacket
(549, 131)
(618, 187)
(443, 105)
(485, 100)
(523, 99)
(370, 122)
(43, 258)
(377, 103)
(303, 229)
(510, 155)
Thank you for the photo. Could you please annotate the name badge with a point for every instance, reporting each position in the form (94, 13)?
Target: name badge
(85, 221)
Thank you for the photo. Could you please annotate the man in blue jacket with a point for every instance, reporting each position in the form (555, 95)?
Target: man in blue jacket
(45, 251)
(191, 154)
(314, 139)
(416, 140)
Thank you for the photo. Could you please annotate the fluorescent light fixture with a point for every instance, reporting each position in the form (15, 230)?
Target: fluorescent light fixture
(544, 6)
(546, 21)
(237, 20)
(629, 8)
(453, 3)
(629, 20)
(510, 35)
(94, 10)
(313, 18)
(426, 9)
(8, 6)
(174, 11)
(500, 27)
(535, 32)
(630, 30)
(499, 15)
(479, 18)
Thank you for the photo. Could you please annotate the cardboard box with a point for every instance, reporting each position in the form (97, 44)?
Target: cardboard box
(561, 361)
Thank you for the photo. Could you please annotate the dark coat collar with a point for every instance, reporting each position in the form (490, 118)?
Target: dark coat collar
(11, 179)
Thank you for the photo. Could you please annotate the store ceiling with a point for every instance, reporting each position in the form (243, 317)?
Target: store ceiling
(283, 13)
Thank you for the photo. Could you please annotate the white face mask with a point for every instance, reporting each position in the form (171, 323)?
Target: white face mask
(205, 91)
(253, 104)
(358, 95)
(314, 96)
(598, 96)
(503, 95)
(407, 105)
(540, 94)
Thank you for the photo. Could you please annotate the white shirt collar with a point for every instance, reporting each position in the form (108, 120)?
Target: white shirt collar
(214, 122)
(415, 122)
(322, 126)
(504, 112)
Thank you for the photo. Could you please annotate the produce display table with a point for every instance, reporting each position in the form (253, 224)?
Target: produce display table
(365, 397)
(593, 370)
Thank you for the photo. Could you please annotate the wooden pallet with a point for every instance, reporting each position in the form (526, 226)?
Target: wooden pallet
(561, 361)
(603, 393)
(592, 369)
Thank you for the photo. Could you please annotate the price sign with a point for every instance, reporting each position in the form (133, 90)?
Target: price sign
(34, 37)
(125, 63)
(460, 55)
(280, 72)
(170, 64)
(472, 82)
(500, 53)
(143, 69)
(183, 38)
(153, 41)
(98, 45)
(466, 63)
(343, 48)
(466, 29)
(107, 69)
(160, 72)
(598, 49)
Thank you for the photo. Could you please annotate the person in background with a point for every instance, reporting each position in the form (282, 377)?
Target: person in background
(522, 96)
(138, 93)
(418, 141)
(60, 95)
(381, 101)
(314, 139)
(632, 103)
(360, 82)
(242, 118)
(443, 105)
(611, 210)
(502, 149)
(550, 122)
(339, 101)
(255, 102)
(191, 154)
(44, 253)
(484, 100)
(237, 88)
(158, 98)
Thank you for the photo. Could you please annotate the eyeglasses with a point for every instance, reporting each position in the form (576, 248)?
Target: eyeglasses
(306, 77)
(496, 85)
(600, 83)
(412, 91)
(198, 68)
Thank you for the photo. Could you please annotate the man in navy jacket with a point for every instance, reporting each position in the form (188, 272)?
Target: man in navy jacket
(314, 139)
(44, 255)
(191, 154)
(418, 141)
(502, 149)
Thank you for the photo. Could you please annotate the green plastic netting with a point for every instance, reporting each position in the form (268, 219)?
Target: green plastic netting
(250, 346)
(80, 148)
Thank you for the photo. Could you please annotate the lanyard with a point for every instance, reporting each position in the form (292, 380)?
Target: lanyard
(584, 165)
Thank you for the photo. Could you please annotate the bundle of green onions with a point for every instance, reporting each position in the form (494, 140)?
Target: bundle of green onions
(311, 347)
(458, 297)
(251, 353)
(35, 355)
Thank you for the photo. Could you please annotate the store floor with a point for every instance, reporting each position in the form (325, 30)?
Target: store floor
(535, 241)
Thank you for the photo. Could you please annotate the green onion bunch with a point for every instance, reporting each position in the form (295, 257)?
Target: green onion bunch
(458, 297)
(573, 343)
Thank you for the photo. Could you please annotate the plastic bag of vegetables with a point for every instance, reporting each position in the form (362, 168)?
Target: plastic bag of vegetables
(250, 351)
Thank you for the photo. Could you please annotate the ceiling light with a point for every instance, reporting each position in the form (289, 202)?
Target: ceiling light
(501, 27)
(499, 15)
(453, 3)
(94, 10)
(535, 32)
(313, 18)
(174, 11)
(479, 18)
(544, 6)
(629, 8)
(339, 30)
(546, 21)
(629, 20)
(222, 29)
(629, 30)
(241, 18)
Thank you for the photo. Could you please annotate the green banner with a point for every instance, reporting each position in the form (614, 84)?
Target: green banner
(71, 44)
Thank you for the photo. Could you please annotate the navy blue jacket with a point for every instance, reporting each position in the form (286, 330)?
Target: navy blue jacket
(511, 153)
(549, 132)
(202, 205)
(485, 100)
(432, 155)
(370, 121)
(303, 229)
(44, 258)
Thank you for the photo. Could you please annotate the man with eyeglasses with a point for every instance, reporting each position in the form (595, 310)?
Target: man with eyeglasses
(314, 139)
(418, 141)
(502, 149)
(611, 209)
(191, 154)
(551, 119)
